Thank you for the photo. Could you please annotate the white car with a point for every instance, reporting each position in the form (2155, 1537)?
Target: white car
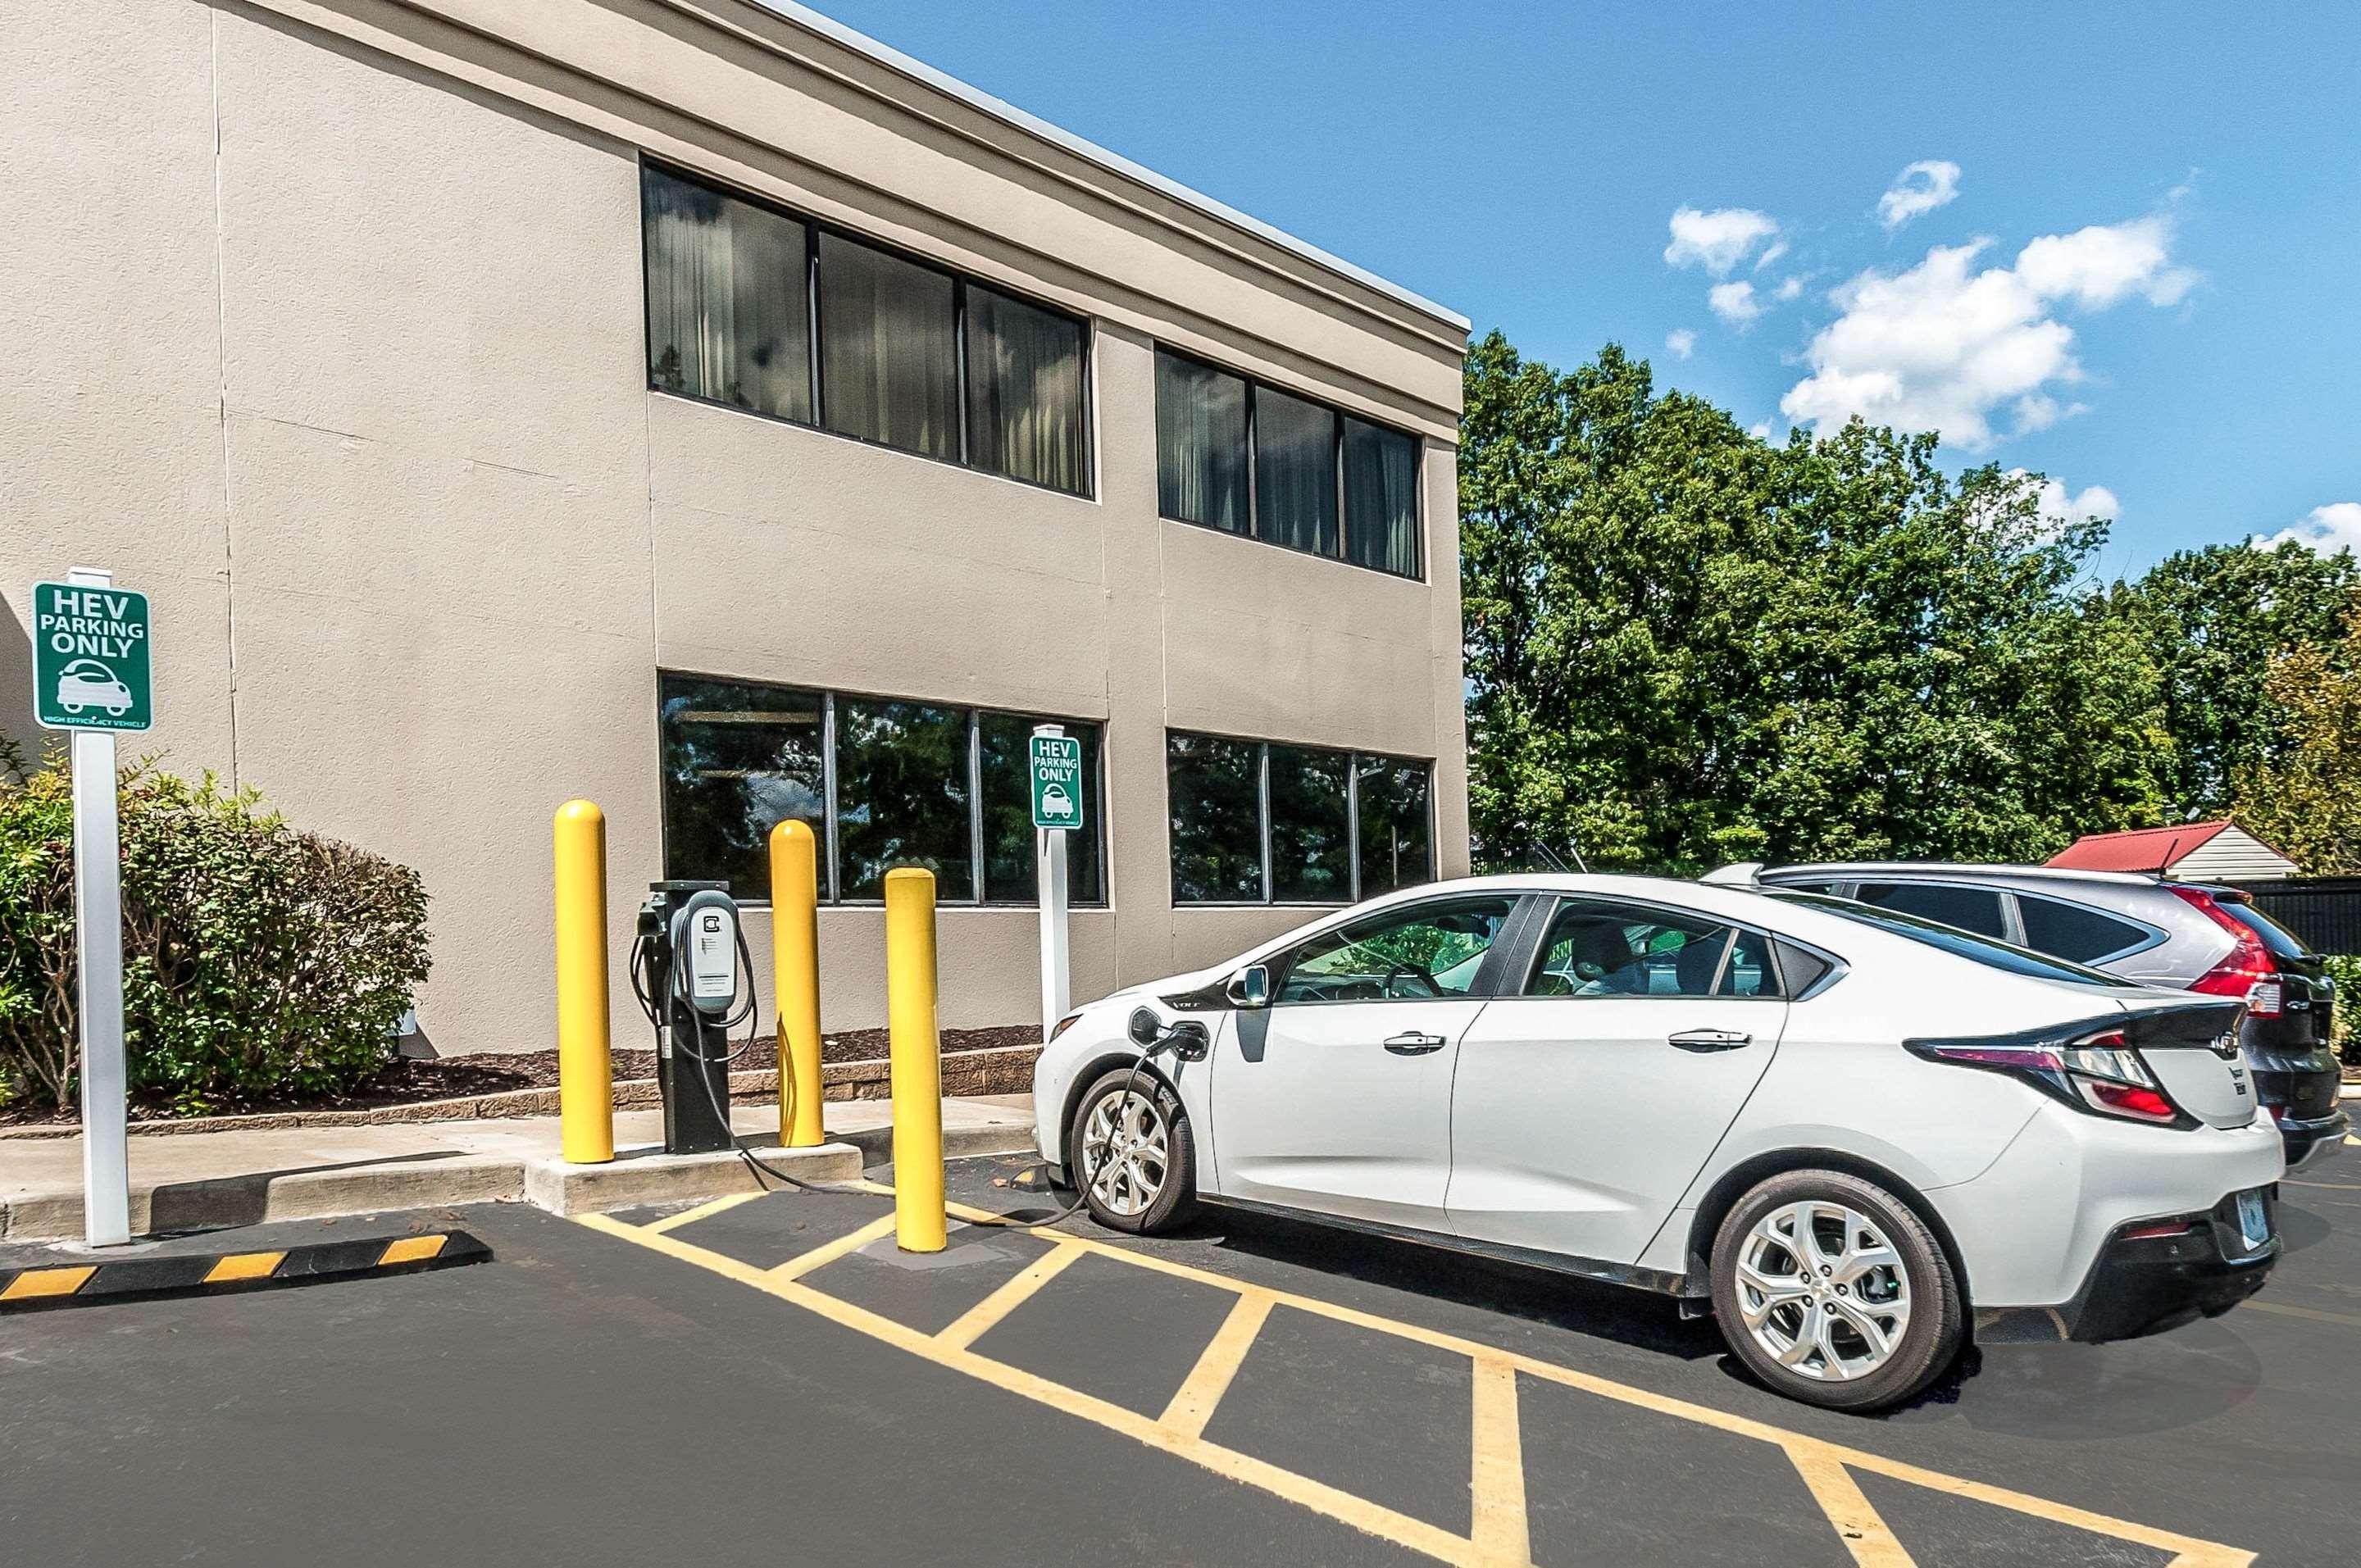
(1856, 1138)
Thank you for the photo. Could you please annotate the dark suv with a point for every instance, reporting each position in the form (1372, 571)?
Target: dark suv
(2144, 927)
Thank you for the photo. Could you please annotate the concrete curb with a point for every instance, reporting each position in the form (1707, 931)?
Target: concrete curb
(636, 1179)
(1005, 1070)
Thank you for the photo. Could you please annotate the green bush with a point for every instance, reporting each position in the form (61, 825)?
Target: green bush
(2346, 972)
(259, 961)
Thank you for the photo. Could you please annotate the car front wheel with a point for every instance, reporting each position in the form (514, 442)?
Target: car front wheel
(1133, 1158)
(1833, 1291)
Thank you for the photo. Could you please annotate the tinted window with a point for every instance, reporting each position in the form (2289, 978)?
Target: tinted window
(1397, 847)
(1595, 948)
(1295, 472)
(1399, 956)
(739, 759)
(1976, 909)
(2276, 940)
(1381, 498)
(888, 351)
(725, 309)
(2074, 931)
(1311, 849)
(1982, 950)
(1201, 444)
(1215, 798)
(1025, 391)
(1004, 758)
(902, 796)
(1800, 968)
(1750, 970)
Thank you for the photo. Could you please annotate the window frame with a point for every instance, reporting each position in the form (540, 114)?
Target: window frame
(1484, 987)
(1551, 905)
(830, 869)
(814, 313)
(1337, 416)
(1353, 760)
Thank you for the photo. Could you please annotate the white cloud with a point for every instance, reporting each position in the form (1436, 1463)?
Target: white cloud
(1778, 249)
(1788, 289)
(2059, 506)
(1948, 346)
(1929, 183)
(1718, 240)
(1734, 303)
(2336, 526)
(1681, 343)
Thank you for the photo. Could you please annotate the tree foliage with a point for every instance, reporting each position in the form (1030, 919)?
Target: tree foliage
(2304, 795)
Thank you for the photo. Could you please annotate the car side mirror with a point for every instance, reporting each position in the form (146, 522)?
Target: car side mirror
(1250, 987)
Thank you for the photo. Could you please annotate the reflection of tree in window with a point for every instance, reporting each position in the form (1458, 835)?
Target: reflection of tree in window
(1398, 957)
(1309, 855)
(738, 760)
(1216, 803)
(901, 796)
(1010, 875)
(1397, 847)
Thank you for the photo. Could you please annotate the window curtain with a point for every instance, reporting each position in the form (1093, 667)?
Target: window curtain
(889, 358)
(1024, 392)
(1295, 472)
(1201, 444)
(726, 300)
(1381, 498)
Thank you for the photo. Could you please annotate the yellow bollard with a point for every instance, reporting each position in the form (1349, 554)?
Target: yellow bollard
(795, 969)
(919, 1223)
(586, 1086)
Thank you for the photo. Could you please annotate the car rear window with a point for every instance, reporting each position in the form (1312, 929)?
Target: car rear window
(2276, 938)
(1965, 944)
(2075, 931)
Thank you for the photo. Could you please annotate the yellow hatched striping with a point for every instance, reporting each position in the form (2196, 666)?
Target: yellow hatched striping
(672, 1223)
(413, 1249)
(244, 1266)
(1823, 1466)
(979, 1319)
(40, 1284)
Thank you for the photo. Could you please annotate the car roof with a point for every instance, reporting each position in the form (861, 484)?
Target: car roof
(1969, 869)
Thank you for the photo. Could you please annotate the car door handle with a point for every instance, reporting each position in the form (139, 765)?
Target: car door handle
(1710, 1039)
(1415, 1043)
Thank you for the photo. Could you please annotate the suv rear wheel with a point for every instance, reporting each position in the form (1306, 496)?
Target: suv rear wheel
(1833, 1291)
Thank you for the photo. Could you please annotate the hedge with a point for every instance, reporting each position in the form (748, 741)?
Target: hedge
(259, 962)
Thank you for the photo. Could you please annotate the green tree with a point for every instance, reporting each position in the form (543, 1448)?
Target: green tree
(2213, 620)
(2306, 798)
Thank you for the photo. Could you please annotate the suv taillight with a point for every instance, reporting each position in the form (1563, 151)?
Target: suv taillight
(2099, 1073)
(2249, 973)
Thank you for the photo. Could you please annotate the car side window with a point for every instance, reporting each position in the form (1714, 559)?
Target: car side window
(2075, 931)
(1977, 909)
(1403, 955)
(1600, 947)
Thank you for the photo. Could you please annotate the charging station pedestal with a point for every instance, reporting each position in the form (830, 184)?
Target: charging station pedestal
(693, 1048)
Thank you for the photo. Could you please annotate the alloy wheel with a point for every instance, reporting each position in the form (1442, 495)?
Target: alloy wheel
(1126, 1152)
(1822, 1288)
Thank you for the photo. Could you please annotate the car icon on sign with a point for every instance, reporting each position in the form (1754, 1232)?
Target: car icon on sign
(87, 684)
(1056, 802)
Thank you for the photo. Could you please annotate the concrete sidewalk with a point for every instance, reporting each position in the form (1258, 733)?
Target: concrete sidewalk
(210, 1180)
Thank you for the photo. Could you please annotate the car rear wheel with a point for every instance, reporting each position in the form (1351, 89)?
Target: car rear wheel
(1132, 1157)
(1833, 1291)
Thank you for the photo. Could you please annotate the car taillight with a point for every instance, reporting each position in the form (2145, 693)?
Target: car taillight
(2249, 973)
(2100, 1073)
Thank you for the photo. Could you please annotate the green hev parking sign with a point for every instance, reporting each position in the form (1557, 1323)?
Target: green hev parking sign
(90, 658)
(1056, 781)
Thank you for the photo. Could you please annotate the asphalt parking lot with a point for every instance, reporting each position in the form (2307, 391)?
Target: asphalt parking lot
(769, 1380)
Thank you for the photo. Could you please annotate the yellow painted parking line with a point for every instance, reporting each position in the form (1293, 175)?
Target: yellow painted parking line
(1865, 1533)
(42, 1282)
(244, 1266)
(2315, 1313)
(979, 1319)
(2334, 1185)
(827, 1253)
(1823, 1464)
(1193, 1403)
(702, 1211)
(1496, 1486)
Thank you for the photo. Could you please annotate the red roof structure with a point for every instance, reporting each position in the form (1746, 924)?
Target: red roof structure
(2141, 849)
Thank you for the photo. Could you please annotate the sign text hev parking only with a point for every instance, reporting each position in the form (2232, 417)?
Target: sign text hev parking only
(90, 658)
(1056, 781)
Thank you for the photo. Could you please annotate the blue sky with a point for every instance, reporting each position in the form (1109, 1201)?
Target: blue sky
(2189, 342)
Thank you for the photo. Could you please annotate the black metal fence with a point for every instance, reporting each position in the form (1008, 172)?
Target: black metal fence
(2322, 912)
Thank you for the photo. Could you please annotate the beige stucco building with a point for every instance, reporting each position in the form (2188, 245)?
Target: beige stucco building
(449, 371)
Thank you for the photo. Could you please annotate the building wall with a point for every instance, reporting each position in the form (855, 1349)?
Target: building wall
(341, 360)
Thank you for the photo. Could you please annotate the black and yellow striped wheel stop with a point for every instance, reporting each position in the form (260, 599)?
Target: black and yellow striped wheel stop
(209, 1274)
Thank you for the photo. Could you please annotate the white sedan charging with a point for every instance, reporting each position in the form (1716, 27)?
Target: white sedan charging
(1855, 1138)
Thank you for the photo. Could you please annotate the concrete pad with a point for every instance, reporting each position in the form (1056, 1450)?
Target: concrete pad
(646, 1176)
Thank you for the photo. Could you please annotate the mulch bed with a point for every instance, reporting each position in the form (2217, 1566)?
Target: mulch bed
(407, 1081)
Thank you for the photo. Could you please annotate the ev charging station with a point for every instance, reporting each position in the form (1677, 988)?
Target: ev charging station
(688, 967)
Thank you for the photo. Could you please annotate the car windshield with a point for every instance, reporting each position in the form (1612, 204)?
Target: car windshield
(1952, 940)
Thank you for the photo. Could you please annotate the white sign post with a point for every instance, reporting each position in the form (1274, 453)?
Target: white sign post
(1057, 810)
(98, 949)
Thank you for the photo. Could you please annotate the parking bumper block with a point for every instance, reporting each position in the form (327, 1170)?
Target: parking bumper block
(39, 1287)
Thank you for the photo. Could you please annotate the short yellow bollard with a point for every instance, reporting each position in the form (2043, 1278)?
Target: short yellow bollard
(795, 971)
(920, 1222)
(586, 1086)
